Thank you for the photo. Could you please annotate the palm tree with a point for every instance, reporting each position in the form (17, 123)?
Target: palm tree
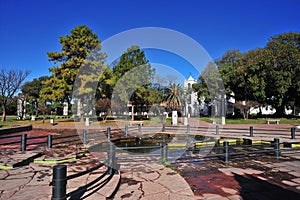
(174, 98)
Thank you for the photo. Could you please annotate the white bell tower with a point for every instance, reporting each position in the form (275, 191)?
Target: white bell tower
(191, 103)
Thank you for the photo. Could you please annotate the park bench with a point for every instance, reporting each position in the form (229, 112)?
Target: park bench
(136, 123)
(268, 121)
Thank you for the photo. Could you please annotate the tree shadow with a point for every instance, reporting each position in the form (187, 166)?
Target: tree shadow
(252, 188)
(91, 188)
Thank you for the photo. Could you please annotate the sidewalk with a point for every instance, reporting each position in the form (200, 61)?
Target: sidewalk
(248, 177)
(141, 177)
(265, 132)
(138, 178)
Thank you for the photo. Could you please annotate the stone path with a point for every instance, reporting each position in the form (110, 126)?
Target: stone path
(10, 159)
(33, 181)
(249, 177)
(144, 178)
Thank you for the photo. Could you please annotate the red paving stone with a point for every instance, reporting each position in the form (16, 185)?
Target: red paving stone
(213, 184)
(16, 137)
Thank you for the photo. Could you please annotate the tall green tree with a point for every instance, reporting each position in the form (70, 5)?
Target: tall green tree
(210, 86)
(91, 81)
(132, 75)
(232, 74)
(130, 59)
(265, 76)
(75, 48)
(244, 75)
(283, 70)
(31, 90)
(103, 96)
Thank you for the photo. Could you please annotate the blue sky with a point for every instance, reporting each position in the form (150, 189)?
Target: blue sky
(29, 29)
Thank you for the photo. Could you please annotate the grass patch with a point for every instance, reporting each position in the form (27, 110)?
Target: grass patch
(6, 167)
(52, 162)
(166, 164)
(250, 121)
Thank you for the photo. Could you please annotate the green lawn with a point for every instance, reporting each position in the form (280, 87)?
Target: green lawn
(62, 120)
(12, 121)
(251, 121)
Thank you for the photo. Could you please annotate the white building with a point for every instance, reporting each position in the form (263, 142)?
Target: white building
(192, 106)
(21, 106)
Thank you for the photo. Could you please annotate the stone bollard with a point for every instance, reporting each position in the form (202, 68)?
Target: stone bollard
(217, 130)
(293, 135)
(126, 131)
(59, 182)
(23, 142)
(226, 151)
(111, 158)
(251, 131)
(139, 127)
(163, 128)
(277, 147)
(84, 137)
(49, 141)
(164, 151)
(108, 133)
(188, 128)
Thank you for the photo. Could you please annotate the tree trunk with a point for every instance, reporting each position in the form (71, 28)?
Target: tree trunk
(132, 112)
(4, 112)
(81, 112)
(244, 114)
(36, 110)
(247, 114)
(280, 111)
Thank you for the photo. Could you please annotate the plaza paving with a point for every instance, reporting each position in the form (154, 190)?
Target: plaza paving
(137, 179)
(144, 178)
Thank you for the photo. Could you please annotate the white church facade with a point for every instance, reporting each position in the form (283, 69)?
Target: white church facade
(192, 106)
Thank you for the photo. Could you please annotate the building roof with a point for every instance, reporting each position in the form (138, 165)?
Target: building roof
(191, 78)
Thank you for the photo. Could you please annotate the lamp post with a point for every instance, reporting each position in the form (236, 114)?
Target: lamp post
(33, 108)
(223, 111)
(185, 119)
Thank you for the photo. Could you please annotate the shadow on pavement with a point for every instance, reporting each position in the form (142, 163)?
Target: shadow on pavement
(255, 188)
(92, 187)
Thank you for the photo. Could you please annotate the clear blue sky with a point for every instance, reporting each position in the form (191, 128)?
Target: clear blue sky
(31, 28)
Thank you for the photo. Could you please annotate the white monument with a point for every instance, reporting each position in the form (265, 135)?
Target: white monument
(87, 121)
(21, 107)
(66, 108)
(174, 117)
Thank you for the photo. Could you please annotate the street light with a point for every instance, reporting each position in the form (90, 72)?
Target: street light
(223, 111)
(32, 108)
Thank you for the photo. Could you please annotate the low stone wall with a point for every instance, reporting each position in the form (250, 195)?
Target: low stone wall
(15, 129)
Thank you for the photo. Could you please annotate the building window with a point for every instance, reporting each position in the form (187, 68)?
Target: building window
(189, 99)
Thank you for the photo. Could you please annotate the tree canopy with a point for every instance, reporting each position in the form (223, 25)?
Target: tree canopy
(10, 82)
(132, 77)
(75, 48)
(269, 75)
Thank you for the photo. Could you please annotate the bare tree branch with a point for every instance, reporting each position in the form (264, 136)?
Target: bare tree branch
(10, 82)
